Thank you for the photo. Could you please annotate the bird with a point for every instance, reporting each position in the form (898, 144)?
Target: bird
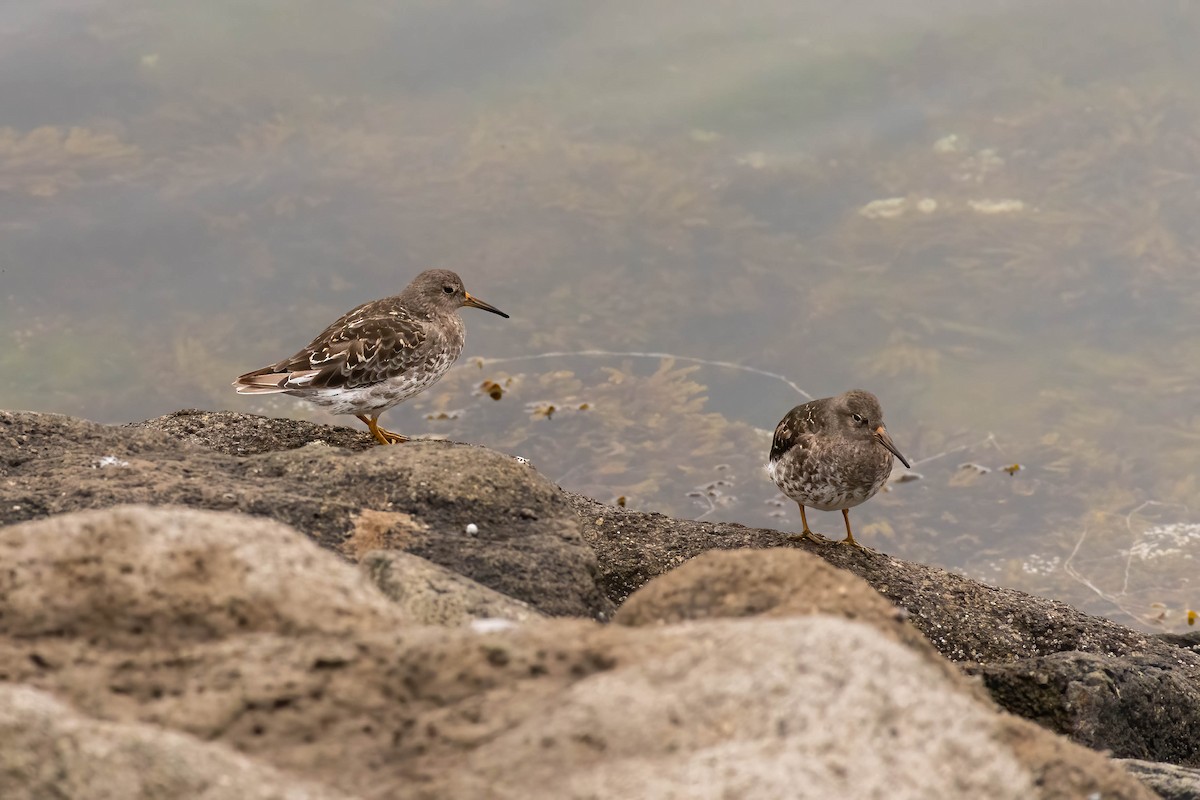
(833, 453)
(377, 355)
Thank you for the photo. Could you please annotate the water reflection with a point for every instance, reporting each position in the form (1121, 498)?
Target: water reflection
(984, 217)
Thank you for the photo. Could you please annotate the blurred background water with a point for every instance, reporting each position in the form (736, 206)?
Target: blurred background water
(985, 213)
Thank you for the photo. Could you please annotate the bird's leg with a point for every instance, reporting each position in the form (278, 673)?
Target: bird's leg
(849, 536)
(382, 435)
(391, 436)
(806, 533)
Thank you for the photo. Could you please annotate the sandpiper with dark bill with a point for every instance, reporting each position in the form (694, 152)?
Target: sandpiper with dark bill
(832, 454)
(377, 355)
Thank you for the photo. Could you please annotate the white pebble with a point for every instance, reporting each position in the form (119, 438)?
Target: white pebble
(472, 528)
(110, 461)
(491, 625)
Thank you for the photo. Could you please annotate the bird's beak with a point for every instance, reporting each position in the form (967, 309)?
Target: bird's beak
(884, 439)
(475, 302)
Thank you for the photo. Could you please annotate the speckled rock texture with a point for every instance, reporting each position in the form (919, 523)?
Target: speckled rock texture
(466, 538)
(1109, 687)
(200, 653)
(419, 498)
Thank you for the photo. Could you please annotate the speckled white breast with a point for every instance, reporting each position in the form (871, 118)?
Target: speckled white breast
(379, 397)
(827, 483)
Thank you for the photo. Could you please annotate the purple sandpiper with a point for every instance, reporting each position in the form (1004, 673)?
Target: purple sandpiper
(831, 454)
(378, 355)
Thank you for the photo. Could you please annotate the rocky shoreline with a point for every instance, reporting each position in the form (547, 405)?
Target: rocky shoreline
(218, 605)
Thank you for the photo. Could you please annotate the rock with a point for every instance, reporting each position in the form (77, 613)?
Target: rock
(775, 582)
(811, 707)
(1170, 782)
(1189, 640)
(50, 751)
(420, 497)
(494, 520)
(124, 575)
(1038, 658)
(1135, 706)
(965, 620)
(428, 594)
(247, 435)
(781, 582)
(750, 707)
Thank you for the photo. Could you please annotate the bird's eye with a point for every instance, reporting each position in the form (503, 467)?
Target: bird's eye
(448, 289)
(859, 418)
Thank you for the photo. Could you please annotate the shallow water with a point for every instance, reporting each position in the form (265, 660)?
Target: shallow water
(988, 218)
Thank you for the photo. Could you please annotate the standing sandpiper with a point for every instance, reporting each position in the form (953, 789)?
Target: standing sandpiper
(378, 355)
(832, 453)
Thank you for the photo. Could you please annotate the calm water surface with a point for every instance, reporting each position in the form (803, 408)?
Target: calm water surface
(990, 218)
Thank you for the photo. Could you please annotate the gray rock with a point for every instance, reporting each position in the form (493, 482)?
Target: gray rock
(1039, 658)
(247, 434)
(811, 707)
(965, 620)
(525, 543)
(52, 752)
(753, 707)
(1134, 706)
(781, 582)
(776, 582)
(131, 573)
(428, 594)
(419, 497)
(1170, 782)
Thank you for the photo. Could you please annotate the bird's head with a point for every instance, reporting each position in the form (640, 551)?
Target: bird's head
(859, 415)
(442, 291)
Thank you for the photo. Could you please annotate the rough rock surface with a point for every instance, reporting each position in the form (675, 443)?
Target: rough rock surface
(1105, 685)
(1170, 782)
(1133, 706)
(776, 582)
(966, 620)
(249, 434)
(137, 574)
(52, 752)
(431, 595)
(419, 498)
(782, 582)
(754, 707)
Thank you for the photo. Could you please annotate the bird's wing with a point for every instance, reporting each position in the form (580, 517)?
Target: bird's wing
(365, 346)
(794, 429)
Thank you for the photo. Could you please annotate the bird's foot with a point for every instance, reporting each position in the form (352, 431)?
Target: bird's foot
(852, 542)
(382, 435)
(389, 437)
(807, 535)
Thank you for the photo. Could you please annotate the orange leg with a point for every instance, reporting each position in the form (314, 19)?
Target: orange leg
(382, 435)
(806, 533)
(849, 536)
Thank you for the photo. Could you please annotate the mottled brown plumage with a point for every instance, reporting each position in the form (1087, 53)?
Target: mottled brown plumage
(832, 454)
(377, 355)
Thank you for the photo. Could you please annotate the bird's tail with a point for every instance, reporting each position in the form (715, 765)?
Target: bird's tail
(262, 381)
(268, 380)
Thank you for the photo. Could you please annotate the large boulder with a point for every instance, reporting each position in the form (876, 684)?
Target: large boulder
(130, 574)
(51, 751)
(1139, 707)
(1105, 685)
(492, 519)
(775, 582)
(483, 514)
(361, 700)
